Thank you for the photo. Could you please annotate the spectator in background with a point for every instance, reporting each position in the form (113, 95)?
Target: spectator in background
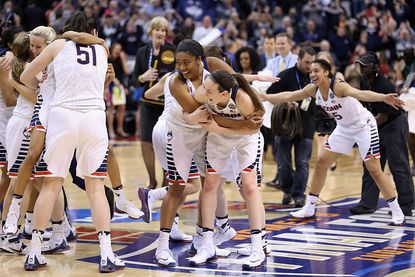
(277, 17)
(294, 181)
(116, 94)
(310, 35)
(312, 10)
(283, 61)
(58, 22)
(202, 30)
(9, 15)
(187, 28)
(404, 36)
(247, 61)
(196, 8)
(285, 58)
(393, 134)
(130, 37)
(33, 16)
(153, 60)
(342, 47)
(286, 22)
(154, 8)
(326, 47)
(109, 28)
(269, 51)
(352, 72)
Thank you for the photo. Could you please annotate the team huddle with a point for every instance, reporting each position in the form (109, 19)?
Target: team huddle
(208, 134)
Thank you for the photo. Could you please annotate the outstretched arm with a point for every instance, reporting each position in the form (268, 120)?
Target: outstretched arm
(289, 96)
(344, 89)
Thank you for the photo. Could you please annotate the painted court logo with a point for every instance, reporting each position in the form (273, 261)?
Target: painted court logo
(333, 244)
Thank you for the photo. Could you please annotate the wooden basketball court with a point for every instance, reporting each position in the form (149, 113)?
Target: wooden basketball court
(334, 244)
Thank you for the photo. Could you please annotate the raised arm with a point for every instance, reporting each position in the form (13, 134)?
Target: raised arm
(180, 92)
(343, 89)
(288, 96)
(28, 76)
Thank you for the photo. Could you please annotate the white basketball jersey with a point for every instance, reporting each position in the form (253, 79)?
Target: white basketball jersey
(24, 108)
(175, 111)
(47, 87)
(230, 111)
(79, 72)
(347, 111)
(168, 98)
(5, 112)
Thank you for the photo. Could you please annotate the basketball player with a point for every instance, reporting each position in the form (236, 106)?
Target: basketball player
(17, 136)
(191, 66)
(230, 96)
(355, 124)
(76, 121)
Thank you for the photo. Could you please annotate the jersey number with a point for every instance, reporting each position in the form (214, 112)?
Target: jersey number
(83, 53)
(337, 116)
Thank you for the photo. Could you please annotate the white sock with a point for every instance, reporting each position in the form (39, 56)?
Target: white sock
(199, 230)
(176, 220)
(105, 243)
(164, 237)
(57, 231)
(29, 216)
(15, 205)
(312, 200)
(223, 223)
(36, 242)
(395, 208)
(207, 236)
(119, 193)
(256, 240)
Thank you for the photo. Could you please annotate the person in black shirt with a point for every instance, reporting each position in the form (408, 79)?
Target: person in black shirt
(393, 133)
(294, 181)
(153, 60)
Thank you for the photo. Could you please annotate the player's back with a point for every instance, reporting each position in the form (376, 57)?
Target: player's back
(80, 75)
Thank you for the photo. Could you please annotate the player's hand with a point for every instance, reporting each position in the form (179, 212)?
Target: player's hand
(254, 121)
(200, 115)
(392, 100)
(265, 78)
(6, 60)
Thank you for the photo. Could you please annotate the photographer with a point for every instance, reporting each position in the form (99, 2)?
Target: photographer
(393, 133)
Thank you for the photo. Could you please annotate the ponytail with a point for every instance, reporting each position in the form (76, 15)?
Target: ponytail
(231, 82)
(243, 84)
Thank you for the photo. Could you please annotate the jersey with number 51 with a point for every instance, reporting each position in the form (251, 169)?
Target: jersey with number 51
(80, 76)
(347, 111)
